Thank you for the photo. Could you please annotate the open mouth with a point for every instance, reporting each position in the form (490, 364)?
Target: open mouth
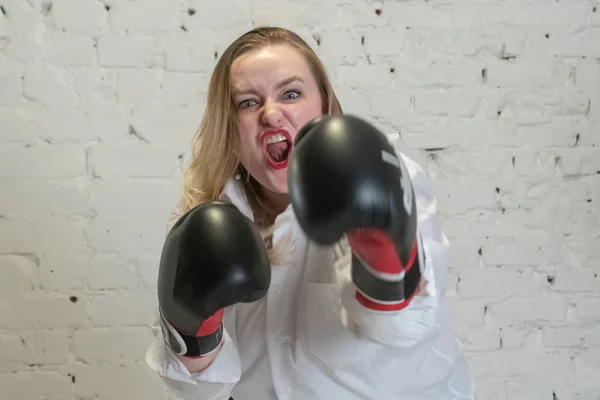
(277, 146)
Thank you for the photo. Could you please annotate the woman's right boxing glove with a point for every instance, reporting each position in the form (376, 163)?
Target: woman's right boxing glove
(213, 257)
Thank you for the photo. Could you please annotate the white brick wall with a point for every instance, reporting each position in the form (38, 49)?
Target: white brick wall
(499, 101)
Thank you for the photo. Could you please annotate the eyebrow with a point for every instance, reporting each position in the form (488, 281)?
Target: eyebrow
(279, 85)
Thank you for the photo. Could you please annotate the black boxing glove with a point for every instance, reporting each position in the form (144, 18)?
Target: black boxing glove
(213, 257)
(345, 178)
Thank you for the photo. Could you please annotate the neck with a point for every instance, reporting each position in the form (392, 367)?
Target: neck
(274, 203)
(277, 201)
(281, 202)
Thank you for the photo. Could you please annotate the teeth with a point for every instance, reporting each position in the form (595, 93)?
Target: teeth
(276, 138)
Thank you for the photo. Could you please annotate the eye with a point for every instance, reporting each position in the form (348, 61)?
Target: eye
(292, 94)
(246, 103)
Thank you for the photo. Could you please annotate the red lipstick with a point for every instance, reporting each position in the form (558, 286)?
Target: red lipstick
(263, 139)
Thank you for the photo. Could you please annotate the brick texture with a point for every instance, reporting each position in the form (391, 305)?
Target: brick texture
(498, 101)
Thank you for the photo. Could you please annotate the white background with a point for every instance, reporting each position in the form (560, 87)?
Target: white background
(497, 100)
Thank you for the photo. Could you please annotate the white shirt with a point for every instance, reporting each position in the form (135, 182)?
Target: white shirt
(309, 339)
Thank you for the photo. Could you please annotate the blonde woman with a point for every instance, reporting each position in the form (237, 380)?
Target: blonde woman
(307, 260)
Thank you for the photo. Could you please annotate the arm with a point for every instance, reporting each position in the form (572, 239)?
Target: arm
(192, 364)
(214, 382)
(212, 259)
(414, 319)
(364, 189)
(196, 365)
(189, 378)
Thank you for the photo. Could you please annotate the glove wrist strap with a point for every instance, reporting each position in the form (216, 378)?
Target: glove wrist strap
(187, 345)
(382, 293)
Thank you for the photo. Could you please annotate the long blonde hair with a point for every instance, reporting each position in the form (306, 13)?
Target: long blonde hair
(214, 161)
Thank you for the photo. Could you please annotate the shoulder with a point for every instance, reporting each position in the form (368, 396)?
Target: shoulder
(422, 185)
(233, 192)
(414, 168)
(424, 194)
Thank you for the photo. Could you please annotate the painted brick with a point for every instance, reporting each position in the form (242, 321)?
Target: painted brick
(497, 101)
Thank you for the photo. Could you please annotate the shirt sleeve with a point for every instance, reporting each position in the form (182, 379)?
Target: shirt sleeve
(214, 383)
(420, 321)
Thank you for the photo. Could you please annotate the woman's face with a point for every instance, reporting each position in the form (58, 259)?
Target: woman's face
(275, 94)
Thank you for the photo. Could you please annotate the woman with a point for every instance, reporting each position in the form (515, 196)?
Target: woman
(300, 330)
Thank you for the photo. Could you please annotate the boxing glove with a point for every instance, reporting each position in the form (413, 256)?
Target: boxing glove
(345, 178)
(213, 257)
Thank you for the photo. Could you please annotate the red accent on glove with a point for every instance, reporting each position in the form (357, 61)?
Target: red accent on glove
(378, 251)
(373, 305)
(211, 324)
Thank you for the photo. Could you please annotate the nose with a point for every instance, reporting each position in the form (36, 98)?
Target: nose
(272, 115)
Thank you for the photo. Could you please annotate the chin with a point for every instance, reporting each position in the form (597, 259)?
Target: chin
(278, 185)
(275, 180)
